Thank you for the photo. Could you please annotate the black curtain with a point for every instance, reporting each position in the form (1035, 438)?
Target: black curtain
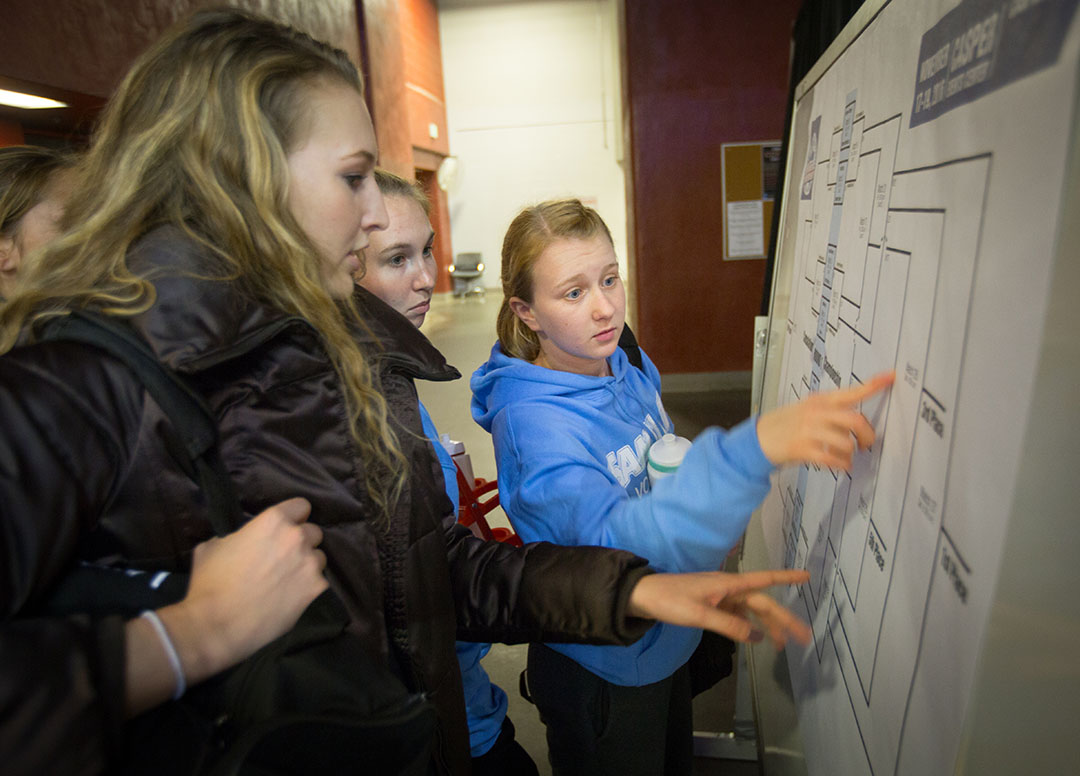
(816, 26)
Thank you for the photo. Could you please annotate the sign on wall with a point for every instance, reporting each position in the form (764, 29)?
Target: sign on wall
(750, 175)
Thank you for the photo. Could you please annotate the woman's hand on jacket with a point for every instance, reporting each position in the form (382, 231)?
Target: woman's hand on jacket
(246, 589)
(822, 429)
(729, 604)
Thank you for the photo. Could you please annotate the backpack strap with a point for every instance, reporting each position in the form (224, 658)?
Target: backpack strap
(628, 342)
(191, 419)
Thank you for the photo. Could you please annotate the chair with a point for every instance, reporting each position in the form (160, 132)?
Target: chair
(466, 272)
(472, 508)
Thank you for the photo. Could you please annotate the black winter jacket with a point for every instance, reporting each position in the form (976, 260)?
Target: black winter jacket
(86, 471)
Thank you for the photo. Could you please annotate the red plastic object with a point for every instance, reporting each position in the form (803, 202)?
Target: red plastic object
(473, 507)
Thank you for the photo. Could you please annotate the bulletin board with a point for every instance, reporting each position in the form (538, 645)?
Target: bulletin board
(750, 175)
(933, 231)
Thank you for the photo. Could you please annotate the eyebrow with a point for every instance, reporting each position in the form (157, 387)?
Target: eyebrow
(365, 156)
(401, 246)
(577, 279)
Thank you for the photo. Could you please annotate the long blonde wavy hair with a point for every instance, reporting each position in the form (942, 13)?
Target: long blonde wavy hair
(197, 136)
(529, 235)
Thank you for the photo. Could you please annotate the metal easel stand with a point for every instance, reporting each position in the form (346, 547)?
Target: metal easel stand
(741, 742)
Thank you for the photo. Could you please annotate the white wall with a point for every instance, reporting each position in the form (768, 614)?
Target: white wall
(532, 96)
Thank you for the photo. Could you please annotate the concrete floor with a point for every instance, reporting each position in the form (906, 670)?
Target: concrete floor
(464, 330)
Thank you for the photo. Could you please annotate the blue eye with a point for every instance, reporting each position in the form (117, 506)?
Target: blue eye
(610, 280)
(575, 294)
(397, 261)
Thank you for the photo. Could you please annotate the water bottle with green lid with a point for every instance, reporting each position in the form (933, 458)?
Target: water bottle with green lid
(665, 455)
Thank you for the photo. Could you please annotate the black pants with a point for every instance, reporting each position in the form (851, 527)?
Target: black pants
(506, 757)
(596, 728)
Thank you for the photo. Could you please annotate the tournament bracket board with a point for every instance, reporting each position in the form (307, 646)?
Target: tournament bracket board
(927, 158)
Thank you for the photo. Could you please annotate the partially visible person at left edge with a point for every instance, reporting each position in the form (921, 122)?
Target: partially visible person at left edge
(34, 184)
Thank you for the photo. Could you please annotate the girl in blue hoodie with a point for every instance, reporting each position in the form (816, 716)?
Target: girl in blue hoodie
(572, 421)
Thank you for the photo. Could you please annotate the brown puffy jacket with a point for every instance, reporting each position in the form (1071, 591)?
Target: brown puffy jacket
(87, 472)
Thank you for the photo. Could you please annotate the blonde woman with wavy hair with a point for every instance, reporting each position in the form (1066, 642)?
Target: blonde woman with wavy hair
(223, 204)
(200, 158)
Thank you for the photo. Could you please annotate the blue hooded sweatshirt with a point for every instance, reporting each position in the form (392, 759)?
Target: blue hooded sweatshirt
(571, 453)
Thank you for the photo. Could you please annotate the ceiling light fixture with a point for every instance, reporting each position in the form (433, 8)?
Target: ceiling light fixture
(31, 101)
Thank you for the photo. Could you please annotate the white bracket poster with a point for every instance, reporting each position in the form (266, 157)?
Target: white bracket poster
(926, 166)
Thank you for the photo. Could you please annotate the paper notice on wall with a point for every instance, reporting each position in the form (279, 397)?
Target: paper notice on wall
(745, 229)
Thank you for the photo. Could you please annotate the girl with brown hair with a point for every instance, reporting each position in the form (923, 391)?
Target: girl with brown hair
(573, 423)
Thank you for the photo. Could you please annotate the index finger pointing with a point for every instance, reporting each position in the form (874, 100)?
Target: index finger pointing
(752, 580)
(875, 384)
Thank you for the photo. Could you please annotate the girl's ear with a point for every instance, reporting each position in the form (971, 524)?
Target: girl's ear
(9, 254)
(523, 310)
